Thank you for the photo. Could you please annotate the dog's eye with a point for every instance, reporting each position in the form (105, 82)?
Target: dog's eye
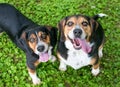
(70, 23)
(44, 36)
(84, 23)
(32, 40)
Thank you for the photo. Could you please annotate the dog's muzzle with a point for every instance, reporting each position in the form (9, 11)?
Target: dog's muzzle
(43, 53)
(76, 41)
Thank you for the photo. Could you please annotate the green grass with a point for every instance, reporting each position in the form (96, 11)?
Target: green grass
(13, 71)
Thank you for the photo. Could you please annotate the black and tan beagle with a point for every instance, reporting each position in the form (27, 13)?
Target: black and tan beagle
(80, 43)
(36, 41)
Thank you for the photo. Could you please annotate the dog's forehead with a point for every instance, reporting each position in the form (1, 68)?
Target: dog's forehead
(78, 18)
(37, 31)
(34, 33)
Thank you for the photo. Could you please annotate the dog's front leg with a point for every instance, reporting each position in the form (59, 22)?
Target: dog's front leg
(32, 62)
(32, 71)
(34, 77)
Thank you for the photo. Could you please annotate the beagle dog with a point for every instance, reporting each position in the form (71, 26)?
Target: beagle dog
(36, 41)
(80, 42)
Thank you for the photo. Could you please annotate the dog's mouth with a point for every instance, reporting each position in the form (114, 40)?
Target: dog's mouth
(77, 43)
(43, 57)
(81, 44)
(43, 53)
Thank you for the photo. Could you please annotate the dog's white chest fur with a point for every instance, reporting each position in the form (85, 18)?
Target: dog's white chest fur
(77, 59)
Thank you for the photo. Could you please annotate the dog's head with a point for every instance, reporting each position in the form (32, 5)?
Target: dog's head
(36, 40)
(77, 28)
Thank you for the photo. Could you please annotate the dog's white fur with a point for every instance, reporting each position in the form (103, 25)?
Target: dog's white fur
(35, 79)
(100, 52)
(95, 72)
(102, 15)
(76, 58)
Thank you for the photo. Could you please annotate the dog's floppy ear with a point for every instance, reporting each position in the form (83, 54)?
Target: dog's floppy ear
(53, 34)
(94, 24)
(93, 21)
(22, 43)
(61, 26)
(97, 35)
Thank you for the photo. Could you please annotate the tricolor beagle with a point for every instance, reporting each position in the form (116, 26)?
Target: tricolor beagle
(36, 41)
(80, 43)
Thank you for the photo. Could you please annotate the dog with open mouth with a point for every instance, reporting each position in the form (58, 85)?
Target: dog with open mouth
(37, 41)
(80, 42)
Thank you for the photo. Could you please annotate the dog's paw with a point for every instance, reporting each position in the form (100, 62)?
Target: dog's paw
(95, 72)
(36, 81)
(53, 58)
(62, 68)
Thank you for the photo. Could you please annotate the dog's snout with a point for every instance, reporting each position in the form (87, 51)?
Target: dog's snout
(40, 48)
(77, 32)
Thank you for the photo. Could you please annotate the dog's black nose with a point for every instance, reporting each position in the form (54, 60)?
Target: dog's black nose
(77, 32)
(40, 48)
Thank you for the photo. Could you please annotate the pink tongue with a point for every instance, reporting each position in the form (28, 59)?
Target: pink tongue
(44, 57)
(78, 43)
(85, 46)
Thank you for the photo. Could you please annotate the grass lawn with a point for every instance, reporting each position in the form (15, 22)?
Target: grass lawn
(13, 71)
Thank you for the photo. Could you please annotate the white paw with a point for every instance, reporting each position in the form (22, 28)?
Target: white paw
(53, 58)
(95, 72)
(36, 81)
(62, 68)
